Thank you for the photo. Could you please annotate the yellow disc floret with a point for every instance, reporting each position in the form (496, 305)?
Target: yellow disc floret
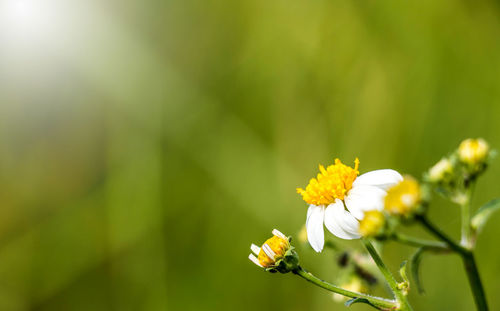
(278, 245)
(330, 184)
(403, 198)
(372, 223)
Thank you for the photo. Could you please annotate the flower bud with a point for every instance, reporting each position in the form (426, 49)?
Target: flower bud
(404, 198)
(276, 254)
(441, 171)
(372, 223)
(473, 151)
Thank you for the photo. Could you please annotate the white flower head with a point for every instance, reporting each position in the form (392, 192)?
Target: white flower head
(338, 198)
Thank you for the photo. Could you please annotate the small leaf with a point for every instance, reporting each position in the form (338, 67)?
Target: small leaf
(415, 269)
(484, 213)
(402, 271)
(350, 302)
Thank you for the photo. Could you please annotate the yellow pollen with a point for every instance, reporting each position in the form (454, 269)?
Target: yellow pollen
(403, 198)
(278, 245)
(330, 184)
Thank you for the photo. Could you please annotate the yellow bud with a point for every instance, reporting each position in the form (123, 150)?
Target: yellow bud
(440, 170)
(372, 223)
(403, 198)
(271, 251)
(473, 151)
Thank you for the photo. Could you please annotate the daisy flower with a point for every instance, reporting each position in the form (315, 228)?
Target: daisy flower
(338, 198)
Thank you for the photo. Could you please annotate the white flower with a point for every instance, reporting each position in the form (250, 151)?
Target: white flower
(338, 198)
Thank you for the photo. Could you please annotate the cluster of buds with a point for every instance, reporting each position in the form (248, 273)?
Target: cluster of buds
(467, 162)
(276, 254)
(452, 174)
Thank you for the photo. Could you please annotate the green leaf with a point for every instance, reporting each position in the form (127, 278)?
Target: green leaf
(484, 213)
(350, 302)
(415, 269)
(402, 271)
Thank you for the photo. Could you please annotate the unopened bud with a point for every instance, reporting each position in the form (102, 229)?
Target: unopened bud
(404, 198)
(440, 171)
(372, 223)
(473, 151)
(276, 254)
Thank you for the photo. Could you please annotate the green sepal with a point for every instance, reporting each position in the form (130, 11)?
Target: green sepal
(402, 271)
(288, 263)
(404, 286)
(484, 213)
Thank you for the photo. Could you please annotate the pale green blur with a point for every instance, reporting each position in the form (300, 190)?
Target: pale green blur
(144, 145)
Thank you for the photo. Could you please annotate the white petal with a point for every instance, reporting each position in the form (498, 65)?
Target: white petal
(383, 179)
(278, 233)
(340, 222)
(364, 198)
(255, 249)
(269, 252)
(255, 260)
(314, 226)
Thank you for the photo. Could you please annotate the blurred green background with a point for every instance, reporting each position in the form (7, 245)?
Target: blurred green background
(145, 144)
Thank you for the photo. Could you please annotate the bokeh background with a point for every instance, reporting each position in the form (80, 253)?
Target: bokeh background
(145, 144)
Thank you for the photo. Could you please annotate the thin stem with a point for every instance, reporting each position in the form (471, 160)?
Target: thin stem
(440, 234)
(468, 260)
(378, 302)
(466, 215)
(413, 241)
(393, 284)
(475, 282)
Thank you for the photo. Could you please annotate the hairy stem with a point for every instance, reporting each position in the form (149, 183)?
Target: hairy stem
(393, 284)
(378, 302)
(468, 260)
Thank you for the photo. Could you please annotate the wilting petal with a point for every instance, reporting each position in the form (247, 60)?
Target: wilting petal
(364, 198)
(314, 227)
(383, 179)
(339, 222)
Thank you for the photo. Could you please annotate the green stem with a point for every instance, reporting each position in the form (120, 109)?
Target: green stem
(378, 302)
(412, 241)
(393, 284)
(440, 234)
(466, 215)
(475, 281)
(468, 260)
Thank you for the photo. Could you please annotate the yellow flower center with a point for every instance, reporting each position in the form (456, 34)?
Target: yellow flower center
(330, 184)
(403, 198)
(278, 245)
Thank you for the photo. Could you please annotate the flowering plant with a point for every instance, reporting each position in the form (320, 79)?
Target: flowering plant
(371, 207)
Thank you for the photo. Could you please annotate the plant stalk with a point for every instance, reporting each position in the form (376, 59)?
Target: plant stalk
(468, 260)
(378, 302)
(393, 284)
(416, 242)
